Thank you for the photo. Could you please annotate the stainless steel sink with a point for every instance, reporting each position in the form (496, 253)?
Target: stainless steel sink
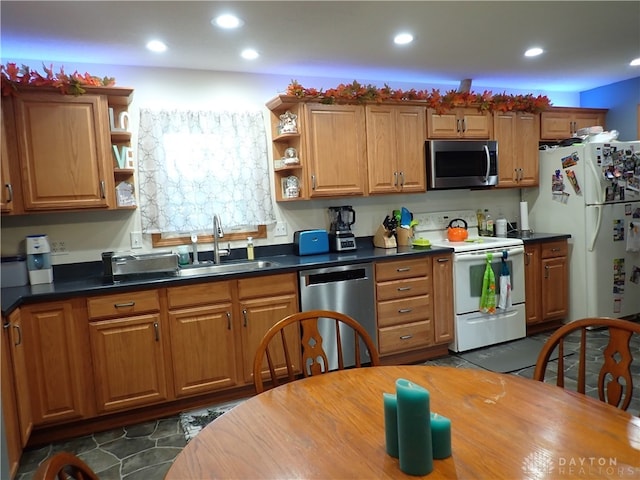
(231, 267)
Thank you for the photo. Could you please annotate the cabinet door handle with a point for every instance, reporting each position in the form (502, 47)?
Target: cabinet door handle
(458, 126)
(555, 249)
(395, 178)
(527, 258)
(123, 305)
(443, 260)
(546, 271)
(403, 269)
(156, 329)
(464, 125)
(402, 179)
(404, 289)
(244, 314)
(19, 330)
(405, 310)
(9, 192)
(406, 337)
(313, 182)
(103, 189)
(228, 321)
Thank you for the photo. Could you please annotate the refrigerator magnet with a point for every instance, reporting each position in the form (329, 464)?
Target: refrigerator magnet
(571, 175)
(570, 160)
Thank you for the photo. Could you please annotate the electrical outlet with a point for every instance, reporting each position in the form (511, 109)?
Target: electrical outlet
(136, 239)
(280, 230)
(59, 248)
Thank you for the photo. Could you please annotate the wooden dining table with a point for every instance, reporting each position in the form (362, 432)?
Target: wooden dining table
(331, 426)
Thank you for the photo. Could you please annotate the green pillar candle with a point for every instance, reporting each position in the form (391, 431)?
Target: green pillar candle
(440, 436)
(414, 428)
(391, 423)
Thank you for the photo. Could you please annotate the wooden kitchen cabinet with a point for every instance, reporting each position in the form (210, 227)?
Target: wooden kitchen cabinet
(443, 306)
(11, 196)
(64, 150)
(16, 409)
(517, 135)
(127, 334)
(336, 150)
(261, 304)
(459, 123)
(56, 353)
(546, 281)
(395, 148)
(558, 123)
(404, 305)
(201, 316)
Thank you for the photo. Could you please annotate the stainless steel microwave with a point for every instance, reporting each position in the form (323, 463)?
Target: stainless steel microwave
(461, 164)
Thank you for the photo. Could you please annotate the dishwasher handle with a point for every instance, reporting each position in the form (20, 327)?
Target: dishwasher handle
(332, 276)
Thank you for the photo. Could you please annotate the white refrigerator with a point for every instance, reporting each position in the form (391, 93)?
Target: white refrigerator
(592, 191)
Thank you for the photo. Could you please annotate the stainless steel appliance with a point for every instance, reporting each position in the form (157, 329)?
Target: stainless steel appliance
(461, 163)
(346, 289)
(340, 235)
(473, 328)
(592, 190)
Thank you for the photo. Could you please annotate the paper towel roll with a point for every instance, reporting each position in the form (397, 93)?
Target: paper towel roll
(524, 216)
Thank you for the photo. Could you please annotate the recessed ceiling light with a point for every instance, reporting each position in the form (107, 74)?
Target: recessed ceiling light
(533, 52)
(227, 21)
(156, 46)
(249, 54)
(635, 62)
(403, 38)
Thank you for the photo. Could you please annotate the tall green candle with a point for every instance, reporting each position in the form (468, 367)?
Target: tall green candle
(391, 423)
(414, 428)
(440, 436)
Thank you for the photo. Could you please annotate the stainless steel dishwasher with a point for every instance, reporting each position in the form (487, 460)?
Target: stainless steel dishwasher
(346, 289)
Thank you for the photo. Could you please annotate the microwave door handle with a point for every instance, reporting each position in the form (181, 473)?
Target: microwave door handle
(486, 152)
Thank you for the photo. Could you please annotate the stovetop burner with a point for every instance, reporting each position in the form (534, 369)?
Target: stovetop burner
(433, 226)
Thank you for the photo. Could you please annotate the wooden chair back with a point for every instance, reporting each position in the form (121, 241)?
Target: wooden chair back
(313, 352)
(615, 382)
(64, 466)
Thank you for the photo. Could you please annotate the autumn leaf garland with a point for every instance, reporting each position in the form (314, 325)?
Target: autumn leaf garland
(486, 101)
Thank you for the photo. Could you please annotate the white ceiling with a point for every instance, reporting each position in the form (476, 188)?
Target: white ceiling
(587, 43)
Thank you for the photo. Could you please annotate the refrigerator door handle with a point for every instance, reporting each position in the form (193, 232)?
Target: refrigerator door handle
(596, 230)
(597, 184)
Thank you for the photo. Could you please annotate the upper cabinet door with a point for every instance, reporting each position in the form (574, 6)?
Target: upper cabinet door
(64, 149)
(459, 123)
(336, 147)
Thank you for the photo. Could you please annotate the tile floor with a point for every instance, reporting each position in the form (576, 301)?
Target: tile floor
(146, 451)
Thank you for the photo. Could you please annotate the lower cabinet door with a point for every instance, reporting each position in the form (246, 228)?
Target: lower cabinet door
(128, 362)
(202, 349)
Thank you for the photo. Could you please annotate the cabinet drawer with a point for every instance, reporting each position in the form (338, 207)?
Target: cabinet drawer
(417, 267)
(554, 249)
(200, 294)
(404, 337)
(410, 287)
(267, 285)
(123, 304)
(406, 310)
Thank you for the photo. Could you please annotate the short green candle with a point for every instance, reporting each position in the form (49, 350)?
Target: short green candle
(391, 424)
(440, 436)
(414, 428)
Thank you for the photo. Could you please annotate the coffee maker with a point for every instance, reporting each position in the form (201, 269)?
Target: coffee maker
(39, 259)
(341, 237)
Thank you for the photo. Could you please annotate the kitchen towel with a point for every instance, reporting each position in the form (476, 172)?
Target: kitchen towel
(488, 295)
(505, 284)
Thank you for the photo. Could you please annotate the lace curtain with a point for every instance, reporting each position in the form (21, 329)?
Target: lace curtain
(194, 164)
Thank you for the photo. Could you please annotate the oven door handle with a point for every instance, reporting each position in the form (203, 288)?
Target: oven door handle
(511, 252)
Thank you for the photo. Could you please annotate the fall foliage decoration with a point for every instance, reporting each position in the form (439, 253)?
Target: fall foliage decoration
(68, 84)
(485, 101)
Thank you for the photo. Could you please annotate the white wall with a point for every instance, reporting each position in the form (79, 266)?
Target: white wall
(88, 234)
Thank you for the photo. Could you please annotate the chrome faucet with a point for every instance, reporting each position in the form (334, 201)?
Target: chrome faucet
(218, 233)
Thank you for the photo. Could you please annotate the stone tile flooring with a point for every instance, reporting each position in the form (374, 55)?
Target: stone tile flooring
(146, 451)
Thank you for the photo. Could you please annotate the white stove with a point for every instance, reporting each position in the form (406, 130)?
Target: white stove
(473, 328)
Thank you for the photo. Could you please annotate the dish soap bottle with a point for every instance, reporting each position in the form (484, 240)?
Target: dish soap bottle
(250, 255)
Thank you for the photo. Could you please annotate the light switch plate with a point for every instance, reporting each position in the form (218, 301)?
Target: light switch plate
(136, 239)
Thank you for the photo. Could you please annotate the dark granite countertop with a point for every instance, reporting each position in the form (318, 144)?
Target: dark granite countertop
(538, 237)
(85, 279)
